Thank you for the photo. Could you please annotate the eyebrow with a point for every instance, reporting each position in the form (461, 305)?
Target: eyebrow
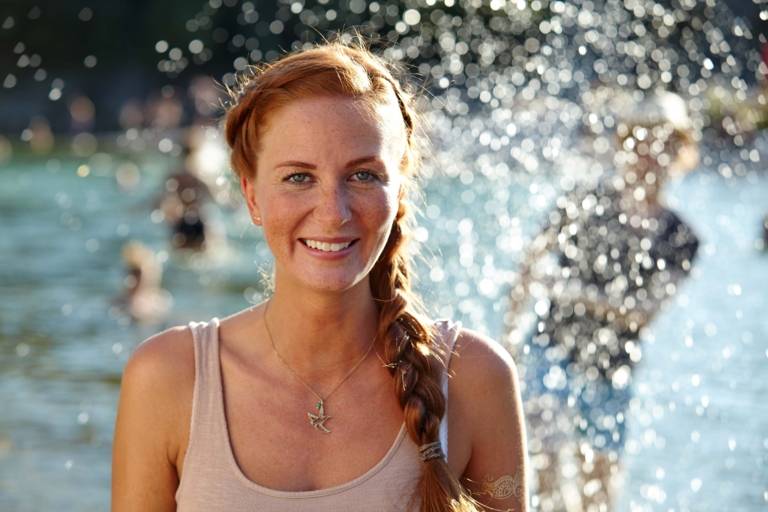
(305, 165)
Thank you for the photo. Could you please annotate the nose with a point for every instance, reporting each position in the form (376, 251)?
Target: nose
(334, 205)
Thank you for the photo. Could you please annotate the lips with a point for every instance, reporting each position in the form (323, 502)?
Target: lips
(328, 246)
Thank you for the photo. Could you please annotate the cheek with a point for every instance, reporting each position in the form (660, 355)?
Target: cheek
(278, 206)
(386, 221)
(274, 236)
(383, 211)
(279, 218)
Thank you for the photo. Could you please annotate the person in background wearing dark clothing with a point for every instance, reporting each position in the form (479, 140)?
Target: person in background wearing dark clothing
(618, 252)
(183, 202)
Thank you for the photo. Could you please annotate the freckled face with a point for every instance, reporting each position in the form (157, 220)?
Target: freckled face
(326, 190)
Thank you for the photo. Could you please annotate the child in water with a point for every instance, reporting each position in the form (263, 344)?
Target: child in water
(142, 299)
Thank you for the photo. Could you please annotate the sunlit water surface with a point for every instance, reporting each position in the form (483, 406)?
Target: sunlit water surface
(698, 436)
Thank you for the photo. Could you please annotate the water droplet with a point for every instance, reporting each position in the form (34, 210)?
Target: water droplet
(22, 350)
(696, 484)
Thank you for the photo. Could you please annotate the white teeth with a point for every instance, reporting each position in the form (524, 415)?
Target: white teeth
(326, 247)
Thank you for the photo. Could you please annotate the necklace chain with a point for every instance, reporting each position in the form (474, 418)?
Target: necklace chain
(315, 420)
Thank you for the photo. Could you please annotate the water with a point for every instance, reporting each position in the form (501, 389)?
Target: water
(697, 438)
(700, 416)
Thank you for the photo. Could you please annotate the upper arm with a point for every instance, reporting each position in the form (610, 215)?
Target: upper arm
(146, 440)
(487, 386)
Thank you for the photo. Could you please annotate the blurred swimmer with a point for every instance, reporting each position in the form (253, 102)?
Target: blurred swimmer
(186, 202)
(142, 298)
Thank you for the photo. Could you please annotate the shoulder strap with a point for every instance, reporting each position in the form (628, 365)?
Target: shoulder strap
(206, 398)
(449, 333)
(205, 339)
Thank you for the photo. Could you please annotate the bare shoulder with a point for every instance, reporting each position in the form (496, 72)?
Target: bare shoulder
(482, 364)
(486, 396)
(166, 357)
(484, 386)
(161, 372)
(152, 421)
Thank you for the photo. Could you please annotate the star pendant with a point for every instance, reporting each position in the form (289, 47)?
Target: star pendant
(318, 420)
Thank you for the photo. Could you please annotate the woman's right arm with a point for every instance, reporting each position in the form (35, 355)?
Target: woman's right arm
(154, 391)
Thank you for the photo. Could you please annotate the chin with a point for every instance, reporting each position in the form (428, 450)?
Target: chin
(335, 284)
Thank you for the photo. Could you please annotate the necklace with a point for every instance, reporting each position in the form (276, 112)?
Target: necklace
(315, 420)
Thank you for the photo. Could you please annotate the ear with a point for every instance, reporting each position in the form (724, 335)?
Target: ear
(249, 193)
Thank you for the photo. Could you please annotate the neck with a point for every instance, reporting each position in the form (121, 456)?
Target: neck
(320, 332)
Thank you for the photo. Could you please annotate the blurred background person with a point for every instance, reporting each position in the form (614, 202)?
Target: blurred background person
(619, 252)
(41, 138)
(142, 298)
(187, 202)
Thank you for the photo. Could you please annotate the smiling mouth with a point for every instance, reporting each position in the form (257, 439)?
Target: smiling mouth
(326, 246)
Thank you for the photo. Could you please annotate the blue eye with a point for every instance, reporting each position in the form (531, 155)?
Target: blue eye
(365, 176)
(297, 177)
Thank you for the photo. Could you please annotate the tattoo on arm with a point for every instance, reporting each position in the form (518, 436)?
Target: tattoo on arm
(504, 487)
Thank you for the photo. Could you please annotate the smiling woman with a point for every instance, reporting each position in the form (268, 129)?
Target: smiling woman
(289, 405)
(327, 212)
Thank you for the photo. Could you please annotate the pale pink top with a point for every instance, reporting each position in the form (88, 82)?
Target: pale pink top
(212, 481)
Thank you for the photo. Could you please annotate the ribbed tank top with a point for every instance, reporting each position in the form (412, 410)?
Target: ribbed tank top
(212, 481)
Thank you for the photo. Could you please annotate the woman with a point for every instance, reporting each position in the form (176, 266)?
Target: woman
(620, 252)
(289, 405)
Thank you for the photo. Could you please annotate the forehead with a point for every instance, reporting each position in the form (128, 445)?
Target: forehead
(334, 125)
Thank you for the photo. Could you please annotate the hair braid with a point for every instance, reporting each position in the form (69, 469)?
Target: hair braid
(416, 361)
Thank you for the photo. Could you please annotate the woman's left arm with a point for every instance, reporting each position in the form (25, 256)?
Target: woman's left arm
(487, 396)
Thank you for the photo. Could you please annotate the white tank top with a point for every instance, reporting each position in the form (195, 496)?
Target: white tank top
(212, 481)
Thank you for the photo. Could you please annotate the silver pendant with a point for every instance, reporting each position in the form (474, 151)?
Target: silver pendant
(318, 420)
